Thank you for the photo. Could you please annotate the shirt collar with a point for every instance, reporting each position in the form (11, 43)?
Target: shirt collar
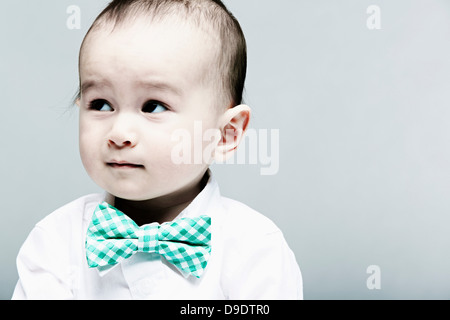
(203, 201)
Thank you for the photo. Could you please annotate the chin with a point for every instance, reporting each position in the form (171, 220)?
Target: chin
(133, 195)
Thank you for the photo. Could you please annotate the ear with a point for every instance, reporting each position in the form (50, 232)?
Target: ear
(233, 124)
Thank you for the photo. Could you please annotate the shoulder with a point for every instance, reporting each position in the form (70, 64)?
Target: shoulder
(240, 224)
(240, 217)
(49, 257)
(61, 229)
(70, 215)
(257, 261)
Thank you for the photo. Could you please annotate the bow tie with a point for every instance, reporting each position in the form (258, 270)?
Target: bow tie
(112, 237)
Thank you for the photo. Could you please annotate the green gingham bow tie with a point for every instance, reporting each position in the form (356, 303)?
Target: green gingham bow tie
(112, 237)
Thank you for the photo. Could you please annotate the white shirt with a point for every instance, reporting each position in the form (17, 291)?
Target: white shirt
(250, 259)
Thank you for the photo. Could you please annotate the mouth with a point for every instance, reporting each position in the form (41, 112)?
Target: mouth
(124, 165)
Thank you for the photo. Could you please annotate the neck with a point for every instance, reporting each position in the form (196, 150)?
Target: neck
(161, 209)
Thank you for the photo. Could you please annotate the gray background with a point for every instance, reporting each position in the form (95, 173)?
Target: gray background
(363, 116)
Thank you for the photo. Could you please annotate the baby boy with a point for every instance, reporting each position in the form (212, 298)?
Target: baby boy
(161, 229)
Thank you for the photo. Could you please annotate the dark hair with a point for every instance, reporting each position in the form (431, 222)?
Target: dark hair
(211, 14)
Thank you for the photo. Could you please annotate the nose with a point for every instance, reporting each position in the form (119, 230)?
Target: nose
(122, 134)
(120, 143)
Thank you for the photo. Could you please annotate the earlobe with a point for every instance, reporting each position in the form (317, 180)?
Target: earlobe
(234, 123)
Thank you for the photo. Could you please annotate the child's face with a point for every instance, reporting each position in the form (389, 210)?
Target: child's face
(146, 82)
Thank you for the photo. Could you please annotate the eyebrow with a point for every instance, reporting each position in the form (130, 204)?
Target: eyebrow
(155, 85)
(86, 85)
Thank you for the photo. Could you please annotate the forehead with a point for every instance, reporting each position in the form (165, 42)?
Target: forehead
(163, 51)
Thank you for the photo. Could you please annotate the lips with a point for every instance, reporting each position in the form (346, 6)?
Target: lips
(124, 165)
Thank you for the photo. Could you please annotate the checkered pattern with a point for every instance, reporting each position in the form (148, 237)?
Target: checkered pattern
(113, 237)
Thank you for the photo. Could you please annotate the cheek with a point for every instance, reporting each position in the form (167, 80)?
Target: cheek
(86, 156)
(199, 140)
(88, 145)
(171, 154)
(157, 148)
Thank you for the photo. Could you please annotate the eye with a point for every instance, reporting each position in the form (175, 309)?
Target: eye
(100, 105)
(153, 106)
